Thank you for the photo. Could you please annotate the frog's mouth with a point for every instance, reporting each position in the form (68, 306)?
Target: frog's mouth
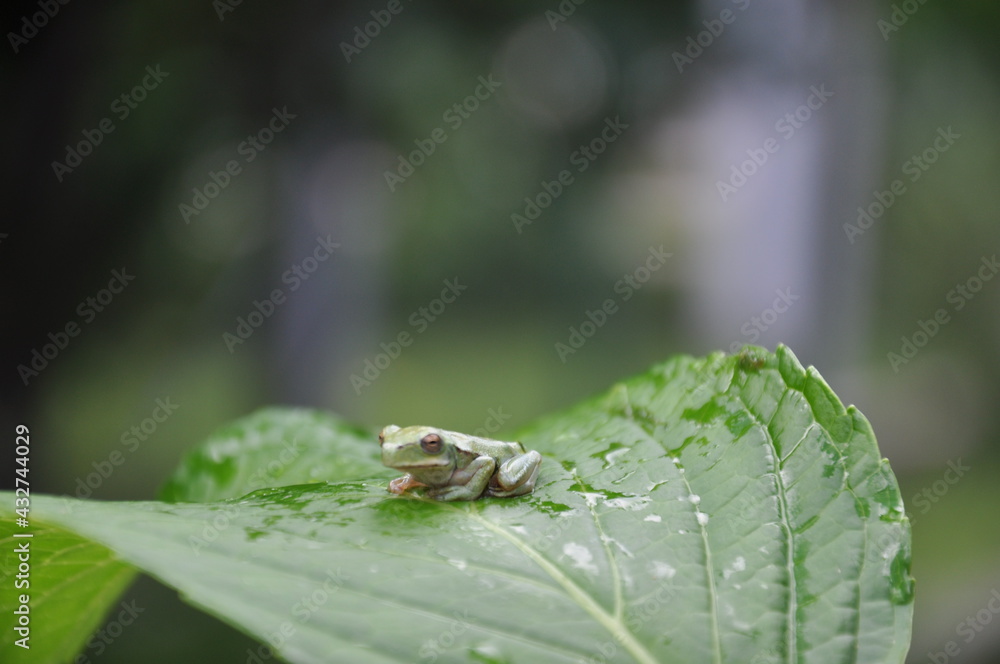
(417, 466)
(397, 458)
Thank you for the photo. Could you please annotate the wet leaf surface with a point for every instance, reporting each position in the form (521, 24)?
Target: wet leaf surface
(721, 509)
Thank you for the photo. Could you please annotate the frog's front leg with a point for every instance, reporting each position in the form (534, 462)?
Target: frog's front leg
(467, 483)
(402, 484)
(517, 475)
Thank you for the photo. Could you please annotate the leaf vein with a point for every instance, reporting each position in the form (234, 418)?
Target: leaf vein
(587, 602)
(786, 526)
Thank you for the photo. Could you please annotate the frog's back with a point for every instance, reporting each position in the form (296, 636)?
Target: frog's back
(498, 449)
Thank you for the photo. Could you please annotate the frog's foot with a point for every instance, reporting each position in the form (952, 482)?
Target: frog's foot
(516, 476)
(402, 484)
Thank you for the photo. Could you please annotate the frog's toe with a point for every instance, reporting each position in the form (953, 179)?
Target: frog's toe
(402, 484)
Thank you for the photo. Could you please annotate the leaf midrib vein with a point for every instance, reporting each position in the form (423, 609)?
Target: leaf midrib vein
(713, 608)
(709, 570)
(586, 601)
(786, 525)
(616, 578)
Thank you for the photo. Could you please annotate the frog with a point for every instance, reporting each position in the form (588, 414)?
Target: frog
(457, 466)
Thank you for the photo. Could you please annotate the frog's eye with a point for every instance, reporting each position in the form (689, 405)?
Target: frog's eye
(431, 443)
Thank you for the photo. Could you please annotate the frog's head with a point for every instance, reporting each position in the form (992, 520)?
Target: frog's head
(417, 449)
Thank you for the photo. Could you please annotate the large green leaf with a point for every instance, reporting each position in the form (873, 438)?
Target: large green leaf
(69, 581)
(725, 509)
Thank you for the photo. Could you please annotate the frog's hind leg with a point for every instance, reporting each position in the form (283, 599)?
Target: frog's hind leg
(516, 476)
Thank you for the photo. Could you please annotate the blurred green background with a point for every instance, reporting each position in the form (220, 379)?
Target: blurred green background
(741, 138)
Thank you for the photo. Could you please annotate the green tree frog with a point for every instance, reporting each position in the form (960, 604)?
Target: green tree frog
(456, 466)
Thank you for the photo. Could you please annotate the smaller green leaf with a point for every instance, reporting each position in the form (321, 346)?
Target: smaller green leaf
(71, 583)
(274, 447)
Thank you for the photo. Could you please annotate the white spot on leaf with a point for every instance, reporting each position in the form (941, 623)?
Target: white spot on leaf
(662, 570)
(738, 565)
(613, 456)
(629, 502)
(581, 556)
